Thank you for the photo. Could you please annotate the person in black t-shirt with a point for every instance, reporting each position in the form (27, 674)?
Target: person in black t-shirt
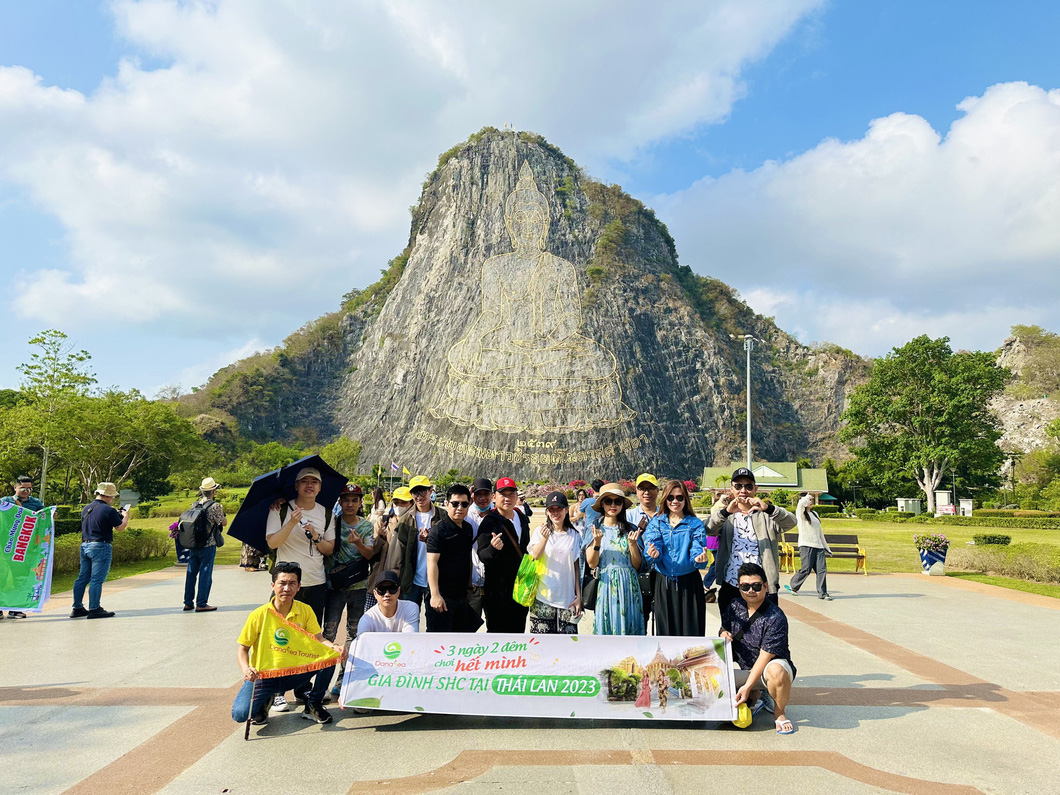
(503, 536)
(449, 545)
(99, 521)
(758, 631)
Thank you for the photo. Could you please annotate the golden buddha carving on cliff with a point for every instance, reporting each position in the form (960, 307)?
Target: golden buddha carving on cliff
(522, 366)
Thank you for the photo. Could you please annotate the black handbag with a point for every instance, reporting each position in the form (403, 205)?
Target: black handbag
(342, 577)
(589, 585)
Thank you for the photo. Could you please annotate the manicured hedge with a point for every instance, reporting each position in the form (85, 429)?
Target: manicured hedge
(1030, 523)
(866, 513)
(983, 539)
(129, 545)
(825, 510)
(895, 517)
(67, 527)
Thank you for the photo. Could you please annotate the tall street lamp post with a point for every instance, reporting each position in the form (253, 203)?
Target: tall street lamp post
(748, 345)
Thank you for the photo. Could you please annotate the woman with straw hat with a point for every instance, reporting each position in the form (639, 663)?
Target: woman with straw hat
(614, 548)
(675, 542)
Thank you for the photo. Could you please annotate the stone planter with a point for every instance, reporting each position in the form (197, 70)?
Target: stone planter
(933, 562)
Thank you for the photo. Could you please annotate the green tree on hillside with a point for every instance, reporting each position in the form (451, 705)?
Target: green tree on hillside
(55, 376)
(343, 454)
(924, 411)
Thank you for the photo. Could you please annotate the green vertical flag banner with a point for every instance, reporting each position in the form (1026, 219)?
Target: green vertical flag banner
(28, 552)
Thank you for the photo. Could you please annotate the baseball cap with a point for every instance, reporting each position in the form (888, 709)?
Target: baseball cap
(556, 499)
(482, 484)
(351, 488)
(646, 478)
(419, 482)
(743, 472)
(308, 472)
(506, 483)
(402, 493)
(388, 576)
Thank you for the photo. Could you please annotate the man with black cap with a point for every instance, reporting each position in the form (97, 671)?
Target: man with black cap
(24, 498)
(390, 613)
(481, 504)
(449, 544)
(749, 530)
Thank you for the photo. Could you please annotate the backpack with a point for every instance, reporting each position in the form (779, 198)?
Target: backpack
(193, 529)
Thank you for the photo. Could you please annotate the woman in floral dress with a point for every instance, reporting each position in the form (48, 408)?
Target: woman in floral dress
(614, 548)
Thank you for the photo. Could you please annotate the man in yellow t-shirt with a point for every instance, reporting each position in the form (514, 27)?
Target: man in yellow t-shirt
(256, 694)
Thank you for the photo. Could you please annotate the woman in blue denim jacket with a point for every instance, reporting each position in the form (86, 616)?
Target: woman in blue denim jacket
(675, 542)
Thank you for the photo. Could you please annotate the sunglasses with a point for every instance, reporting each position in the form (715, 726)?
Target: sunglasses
(751, 586)
(675, 498)
(611, 501)
(386, 589)
(459, 505)
(744, 486)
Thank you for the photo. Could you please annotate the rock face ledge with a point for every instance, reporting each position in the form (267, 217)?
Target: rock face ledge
(541, 326)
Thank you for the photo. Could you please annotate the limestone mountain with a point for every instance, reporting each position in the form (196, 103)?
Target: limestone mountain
(539, 324)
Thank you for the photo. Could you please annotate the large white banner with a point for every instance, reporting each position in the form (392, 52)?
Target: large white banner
(553, 676)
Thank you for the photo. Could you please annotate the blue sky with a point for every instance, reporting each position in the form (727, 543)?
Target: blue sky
(812, 154)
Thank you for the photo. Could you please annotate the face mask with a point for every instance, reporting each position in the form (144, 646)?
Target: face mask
(401, 510)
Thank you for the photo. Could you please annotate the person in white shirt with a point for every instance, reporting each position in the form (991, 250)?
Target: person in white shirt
(304, 536)
(812, 549)
(411, 531)
(390, 613)
(558, 604)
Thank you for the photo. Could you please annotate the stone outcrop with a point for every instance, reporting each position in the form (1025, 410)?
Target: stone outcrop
(539, 324)
(1024, 414)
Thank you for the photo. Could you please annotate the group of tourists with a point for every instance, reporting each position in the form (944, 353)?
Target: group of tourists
(627, 563)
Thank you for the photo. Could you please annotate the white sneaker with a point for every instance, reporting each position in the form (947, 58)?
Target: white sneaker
(279, 703)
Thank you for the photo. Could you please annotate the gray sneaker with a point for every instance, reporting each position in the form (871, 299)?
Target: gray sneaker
(316, 712)
(279, 703)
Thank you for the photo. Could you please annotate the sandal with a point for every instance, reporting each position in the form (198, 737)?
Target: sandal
(785, 726)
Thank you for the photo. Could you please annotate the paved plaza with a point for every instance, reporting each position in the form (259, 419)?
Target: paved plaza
(906, 683)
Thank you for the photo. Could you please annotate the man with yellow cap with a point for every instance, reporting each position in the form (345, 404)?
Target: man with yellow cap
(646, 509)
(411, 531)
(385, 540)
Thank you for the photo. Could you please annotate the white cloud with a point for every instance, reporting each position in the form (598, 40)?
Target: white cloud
(870, 242)
(273, 155)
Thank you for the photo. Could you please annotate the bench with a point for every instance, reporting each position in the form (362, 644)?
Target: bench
(842, 546)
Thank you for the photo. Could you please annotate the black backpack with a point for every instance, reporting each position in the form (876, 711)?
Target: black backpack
(193, 529)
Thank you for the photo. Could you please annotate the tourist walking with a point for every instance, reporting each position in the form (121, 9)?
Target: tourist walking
(614, 550)
(99, 522)
(503, 537)
(812, 549)
(558, 603)
(676, 545)
(201, 559)
(749, 530)
(23, 497)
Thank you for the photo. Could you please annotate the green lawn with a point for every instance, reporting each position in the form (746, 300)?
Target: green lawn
(1042, 588)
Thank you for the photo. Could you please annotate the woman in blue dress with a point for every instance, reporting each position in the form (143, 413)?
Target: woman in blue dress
(675, 543)
(614, 548)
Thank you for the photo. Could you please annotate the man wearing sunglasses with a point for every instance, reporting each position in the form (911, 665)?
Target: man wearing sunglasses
(449, 546)
(758, 631)
(749, 530)
(390, 613)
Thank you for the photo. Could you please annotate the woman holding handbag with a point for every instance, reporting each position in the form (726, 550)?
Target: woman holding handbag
(558, 604)
(615, 552)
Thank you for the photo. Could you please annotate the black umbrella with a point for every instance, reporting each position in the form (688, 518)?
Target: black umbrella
(249, 523)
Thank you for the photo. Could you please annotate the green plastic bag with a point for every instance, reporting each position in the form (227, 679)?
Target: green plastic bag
(527, 579)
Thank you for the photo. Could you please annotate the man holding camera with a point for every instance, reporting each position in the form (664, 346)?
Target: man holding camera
(304, 535)
(99, 522)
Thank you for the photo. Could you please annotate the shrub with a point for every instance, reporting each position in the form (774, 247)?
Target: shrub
(865, 513)
(931, 542)
(64, 527)
(691, 485)
(984, 539)
(1039, 562)
(64, 511)
(130, 545)
(1030, 523)
(143, 510)
(895, 517)
(826, 510)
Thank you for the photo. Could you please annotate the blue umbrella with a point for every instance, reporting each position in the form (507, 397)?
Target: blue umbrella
(248, 525)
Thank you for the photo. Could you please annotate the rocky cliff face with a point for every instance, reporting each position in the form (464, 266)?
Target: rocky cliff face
(542, 326)
(1024, 411)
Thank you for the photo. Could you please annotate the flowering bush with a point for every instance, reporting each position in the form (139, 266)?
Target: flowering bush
(628, 486)
(174, 529)
(691, 485)
(577, 484)
(931, 542)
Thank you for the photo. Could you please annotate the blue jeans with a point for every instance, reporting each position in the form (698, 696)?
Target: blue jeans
(95, 565)
(252, 696)
(708, 578)
(182, 552)
(415, 594)
(200, 564)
